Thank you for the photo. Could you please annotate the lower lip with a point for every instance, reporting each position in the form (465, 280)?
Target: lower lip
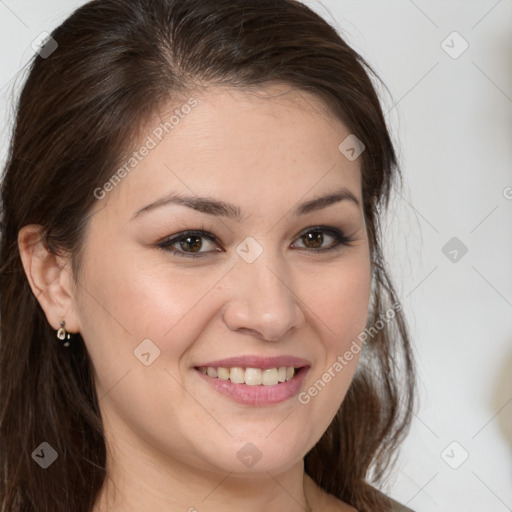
(258, 395)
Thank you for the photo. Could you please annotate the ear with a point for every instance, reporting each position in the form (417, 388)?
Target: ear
(49, 277)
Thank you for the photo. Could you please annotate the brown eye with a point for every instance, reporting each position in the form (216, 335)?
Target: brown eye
(314, 239)
(190, 243)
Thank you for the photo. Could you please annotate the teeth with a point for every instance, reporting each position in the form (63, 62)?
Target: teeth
(269, 377)
(223, 373)
(251, 376)
(237, 375)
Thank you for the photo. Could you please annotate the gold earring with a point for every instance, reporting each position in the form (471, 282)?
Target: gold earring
(63, 335)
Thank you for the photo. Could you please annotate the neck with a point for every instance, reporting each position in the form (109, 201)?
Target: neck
(140, 481)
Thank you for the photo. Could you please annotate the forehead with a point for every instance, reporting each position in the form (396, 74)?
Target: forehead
(238, 144)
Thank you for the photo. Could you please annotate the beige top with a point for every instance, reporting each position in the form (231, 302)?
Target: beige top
(329, 503)
(398, 507)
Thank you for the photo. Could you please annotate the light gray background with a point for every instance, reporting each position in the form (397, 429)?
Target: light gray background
(451, 119)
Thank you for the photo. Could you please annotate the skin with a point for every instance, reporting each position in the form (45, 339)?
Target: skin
(173, 440)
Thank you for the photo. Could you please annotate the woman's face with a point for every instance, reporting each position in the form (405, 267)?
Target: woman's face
(155, 303)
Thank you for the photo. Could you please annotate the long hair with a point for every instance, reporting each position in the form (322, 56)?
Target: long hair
(82, 106)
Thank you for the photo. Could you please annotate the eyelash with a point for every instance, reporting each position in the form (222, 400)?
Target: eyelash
(340, 240)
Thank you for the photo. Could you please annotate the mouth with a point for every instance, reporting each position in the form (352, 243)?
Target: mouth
(254, 386)
(251, 376)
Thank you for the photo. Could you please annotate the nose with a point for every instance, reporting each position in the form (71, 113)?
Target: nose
(263, 302)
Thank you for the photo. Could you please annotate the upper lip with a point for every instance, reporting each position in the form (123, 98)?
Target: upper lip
(257, 362)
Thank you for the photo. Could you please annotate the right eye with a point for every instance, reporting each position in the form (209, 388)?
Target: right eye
(190, 243)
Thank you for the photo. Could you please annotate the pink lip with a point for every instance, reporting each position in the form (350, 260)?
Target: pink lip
(257, 395)
(257, 362)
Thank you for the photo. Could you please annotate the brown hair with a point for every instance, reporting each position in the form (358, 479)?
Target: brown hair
(116, 63)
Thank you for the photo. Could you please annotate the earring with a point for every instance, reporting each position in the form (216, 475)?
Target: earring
(63, 335)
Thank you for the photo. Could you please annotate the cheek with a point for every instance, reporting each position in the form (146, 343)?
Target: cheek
(339, 300)
(129, 299)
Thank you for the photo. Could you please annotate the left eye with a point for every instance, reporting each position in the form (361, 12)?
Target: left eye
(191, 242)
(316, 238)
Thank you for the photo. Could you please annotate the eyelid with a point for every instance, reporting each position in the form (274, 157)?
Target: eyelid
(168, 242)
(338, 235)
(341, 240)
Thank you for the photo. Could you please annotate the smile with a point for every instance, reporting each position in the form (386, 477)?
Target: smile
(250, 376)
(254, 386)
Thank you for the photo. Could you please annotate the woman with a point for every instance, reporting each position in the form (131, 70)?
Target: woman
(196, 313)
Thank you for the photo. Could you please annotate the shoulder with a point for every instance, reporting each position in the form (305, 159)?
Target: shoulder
(321, 500)
(334, 504)
(329, 503)
(396, 506)
(337, 505)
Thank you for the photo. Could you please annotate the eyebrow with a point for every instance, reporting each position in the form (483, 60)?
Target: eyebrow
(220, 208)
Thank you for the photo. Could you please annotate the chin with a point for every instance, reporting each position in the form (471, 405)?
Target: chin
(261, 455)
